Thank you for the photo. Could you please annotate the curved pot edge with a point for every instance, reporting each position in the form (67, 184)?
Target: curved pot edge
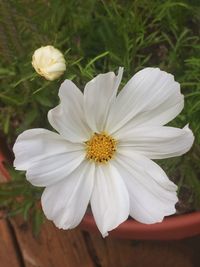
(171, 228)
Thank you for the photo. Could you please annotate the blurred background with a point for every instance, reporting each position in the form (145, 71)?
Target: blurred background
(95, 36)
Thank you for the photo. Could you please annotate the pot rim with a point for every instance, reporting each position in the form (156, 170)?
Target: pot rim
(171, 228)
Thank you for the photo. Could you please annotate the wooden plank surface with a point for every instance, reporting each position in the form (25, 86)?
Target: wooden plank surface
(8, 252)
(53, 247)
(74, 248)
(127, 253)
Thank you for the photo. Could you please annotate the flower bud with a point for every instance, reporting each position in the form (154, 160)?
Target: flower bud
(49, 62)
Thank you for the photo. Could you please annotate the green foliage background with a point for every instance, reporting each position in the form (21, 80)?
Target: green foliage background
(95, 37)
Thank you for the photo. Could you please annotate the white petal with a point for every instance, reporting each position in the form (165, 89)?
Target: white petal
(57, 67)
(158, 142)
(110, 200)
(65, 203)
(152, 194)
(54, 168)
(68, 117)
(36, 144)
(46, 156)
(151, 96)
(98, 96)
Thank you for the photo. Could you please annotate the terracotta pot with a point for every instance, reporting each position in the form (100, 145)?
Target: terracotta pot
(172, 228)
(6, 157)
(4, 175)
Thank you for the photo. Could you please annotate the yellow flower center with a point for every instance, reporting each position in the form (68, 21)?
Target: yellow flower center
(101, 147)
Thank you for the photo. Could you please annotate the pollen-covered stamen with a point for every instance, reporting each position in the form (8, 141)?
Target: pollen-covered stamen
(100, 148)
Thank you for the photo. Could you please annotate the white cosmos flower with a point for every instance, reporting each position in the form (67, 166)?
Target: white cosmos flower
(103, 149)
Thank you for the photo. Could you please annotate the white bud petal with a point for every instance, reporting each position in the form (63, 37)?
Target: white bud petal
(49, 62)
